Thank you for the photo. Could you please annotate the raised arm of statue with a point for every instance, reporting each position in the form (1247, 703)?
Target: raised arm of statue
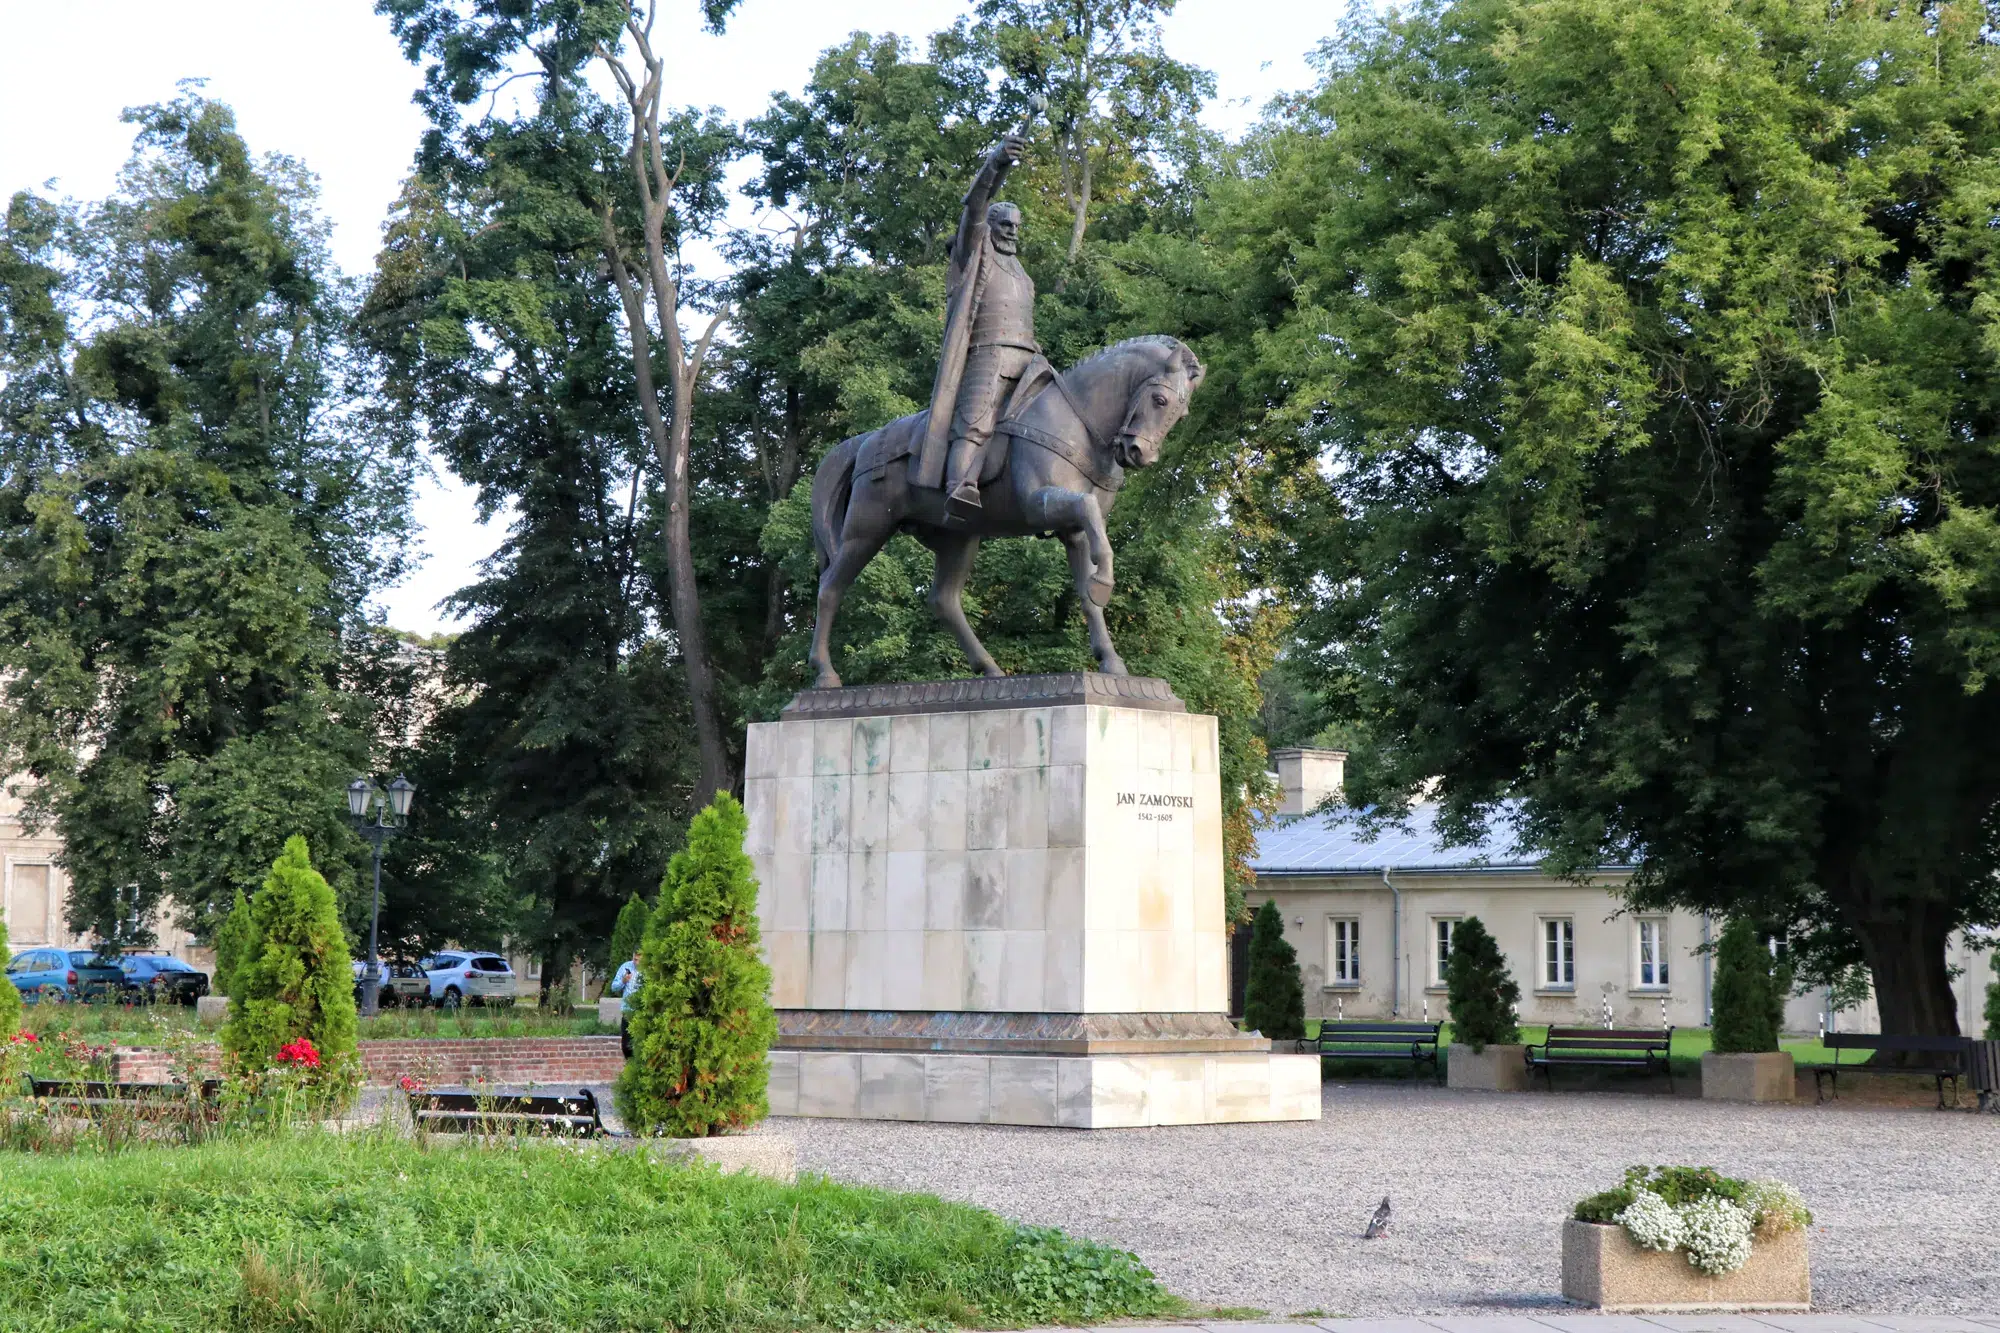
(984, 186)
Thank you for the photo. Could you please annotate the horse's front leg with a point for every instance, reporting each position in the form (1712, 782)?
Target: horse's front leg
(1078, 546)
(955, 552)
(1077, 511)
(868, 528)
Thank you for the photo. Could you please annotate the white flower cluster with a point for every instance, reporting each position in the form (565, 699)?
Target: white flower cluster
(1651, 1222)
(1715, 1232)
(1776, 1206)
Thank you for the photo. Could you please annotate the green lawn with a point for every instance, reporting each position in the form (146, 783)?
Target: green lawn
(136, 1026)
(377, 1234)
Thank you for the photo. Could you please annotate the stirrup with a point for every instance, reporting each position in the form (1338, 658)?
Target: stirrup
(964, 501)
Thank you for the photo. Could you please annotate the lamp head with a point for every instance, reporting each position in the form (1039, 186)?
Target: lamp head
(360, 793)
(401, 792)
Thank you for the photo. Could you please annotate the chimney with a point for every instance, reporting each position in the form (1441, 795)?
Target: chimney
(1308, 776)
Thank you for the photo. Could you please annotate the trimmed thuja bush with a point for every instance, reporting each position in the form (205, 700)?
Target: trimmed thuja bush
(1750, 990)
(10, 998)
(628, 932)
(294, 978)
(232, 941)
(1274, 997)
(1992, 1009)
(1481, 991)
(702, 1022)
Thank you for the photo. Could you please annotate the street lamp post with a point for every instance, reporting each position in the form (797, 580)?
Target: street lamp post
(391, 808)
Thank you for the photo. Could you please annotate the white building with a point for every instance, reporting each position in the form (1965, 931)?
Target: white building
(1373, 920)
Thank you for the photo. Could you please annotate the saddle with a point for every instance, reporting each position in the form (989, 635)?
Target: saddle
(899, 441)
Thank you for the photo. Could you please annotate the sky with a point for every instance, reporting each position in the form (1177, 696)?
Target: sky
(323, 81)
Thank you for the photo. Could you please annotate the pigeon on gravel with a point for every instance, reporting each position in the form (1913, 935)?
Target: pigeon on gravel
(1378, 1225)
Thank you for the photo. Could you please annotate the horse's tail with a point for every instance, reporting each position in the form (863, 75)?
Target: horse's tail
(833, 483)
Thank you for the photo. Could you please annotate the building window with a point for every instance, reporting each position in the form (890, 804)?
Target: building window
(1343, 951)
(28, 902)
(1442, 930)
(1558, 953)
(1652, 953)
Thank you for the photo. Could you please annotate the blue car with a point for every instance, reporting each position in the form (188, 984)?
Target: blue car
(158, 978)
(65, 974)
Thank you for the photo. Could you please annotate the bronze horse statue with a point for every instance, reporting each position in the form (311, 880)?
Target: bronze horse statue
(1054, 467)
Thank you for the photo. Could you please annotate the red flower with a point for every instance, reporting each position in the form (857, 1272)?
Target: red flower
(410, 1083)
(301, 1053)
(26, 1039)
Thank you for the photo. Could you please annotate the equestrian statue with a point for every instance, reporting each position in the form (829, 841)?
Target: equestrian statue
(1009, 447)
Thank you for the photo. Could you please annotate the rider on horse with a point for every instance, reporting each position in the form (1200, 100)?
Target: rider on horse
(989, 336)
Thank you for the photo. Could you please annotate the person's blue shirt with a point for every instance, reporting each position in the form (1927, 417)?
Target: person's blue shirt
(624, 981)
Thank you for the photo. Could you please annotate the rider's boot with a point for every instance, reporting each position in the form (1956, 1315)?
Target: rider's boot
(961, 499)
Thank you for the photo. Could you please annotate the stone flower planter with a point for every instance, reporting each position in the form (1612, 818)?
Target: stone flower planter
(1747, 1076)
(771, 1155)
(1495, 1069)
(1603, 1268)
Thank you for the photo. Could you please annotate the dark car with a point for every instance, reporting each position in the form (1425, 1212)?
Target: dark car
(158, 978)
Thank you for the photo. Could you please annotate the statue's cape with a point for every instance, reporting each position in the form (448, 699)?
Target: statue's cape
(964, 284)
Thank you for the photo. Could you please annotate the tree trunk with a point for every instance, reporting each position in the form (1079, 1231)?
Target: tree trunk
(714, 775)
(1912, 985)
(784, 475)
(556, 958)
(1080, 214)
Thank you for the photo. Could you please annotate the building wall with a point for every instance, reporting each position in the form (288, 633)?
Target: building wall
(34, 892)
(1515, 908)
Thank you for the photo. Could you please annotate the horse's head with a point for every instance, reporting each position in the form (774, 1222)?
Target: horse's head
(1159, 399)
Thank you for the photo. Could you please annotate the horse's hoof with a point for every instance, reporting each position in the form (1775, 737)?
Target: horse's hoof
(1100, 592)
(827, 680)
(992, 671)
(1113, 666)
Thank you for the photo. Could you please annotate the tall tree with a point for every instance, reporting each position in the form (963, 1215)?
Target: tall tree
(192, 512)
(1652, 347)
(558, 749)
(648, 198)
(1112, 93)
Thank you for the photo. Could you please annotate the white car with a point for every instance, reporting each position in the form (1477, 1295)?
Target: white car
(462, 977)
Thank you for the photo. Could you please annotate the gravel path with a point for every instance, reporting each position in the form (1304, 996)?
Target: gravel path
(1907, 1202)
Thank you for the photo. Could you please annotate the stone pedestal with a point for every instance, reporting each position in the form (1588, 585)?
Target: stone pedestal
(610, 1011)
(1748, 1076)
(1001, 901)
(1495, 1069)
(211, 1009)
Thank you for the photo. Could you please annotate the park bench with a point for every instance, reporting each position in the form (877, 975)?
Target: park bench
(1947, 1063)
(1610, 1048)
(1363, 1040)
(85, 1097)
(460, 1111)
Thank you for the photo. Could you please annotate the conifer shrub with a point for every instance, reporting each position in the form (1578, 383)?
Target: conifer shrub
(702, 1024)
(1480, 989)
(232, 942)
(294, 978)
(1992, 1008)
(1274, 995)
(1750, 990)
(629, 931)
(10, 996)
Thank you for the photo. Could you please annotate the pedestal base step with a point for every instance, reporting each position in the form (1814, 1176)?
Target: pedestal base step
(1072, 1092)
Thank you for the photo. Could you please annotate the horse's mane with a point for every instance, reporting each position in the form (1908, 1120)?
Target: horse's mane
(1172, 346)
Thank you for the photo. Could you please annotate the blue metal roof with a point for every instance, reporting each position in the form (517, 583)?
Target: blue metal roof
(1335, 844)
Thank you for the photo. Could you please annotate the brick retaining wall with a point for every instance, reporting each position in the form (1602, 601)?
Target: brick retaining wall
(505, 1060)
